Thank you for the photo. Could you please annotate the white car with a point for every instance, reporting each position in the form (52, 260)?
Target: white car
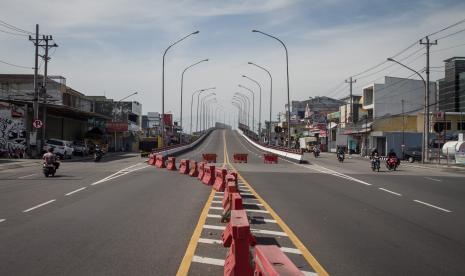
(61, 147)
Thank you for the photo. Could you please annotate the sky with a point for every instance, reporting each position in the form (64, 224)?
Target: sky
(115, 47)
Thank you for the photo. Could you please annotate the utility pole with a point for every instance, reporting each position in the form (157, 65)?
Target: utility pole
(426, 127)
(35, 104)
(403, 128)
(350, 82)
(46, 58)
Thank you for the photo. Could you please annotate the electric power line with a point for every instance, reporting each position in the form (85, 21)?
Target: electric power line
(14, 28)
(15, 65)
(451, 34)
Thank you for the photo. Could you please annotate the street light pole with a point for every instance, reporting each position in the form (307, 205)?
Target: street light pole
(253, 105)
(239, 103)
(288, 97)
(259, 107)
(205, 111)
(198, 100)
(182, 84)
(163, 86)
(192, 101)
(247, 103)
(271, 96)
(202, 113)
(425, 126)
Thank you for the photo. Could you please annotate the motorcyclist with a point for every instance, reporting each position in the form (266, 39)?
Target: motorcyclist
(374, 152)
(340, 152)
(50, 158)
(392, 154)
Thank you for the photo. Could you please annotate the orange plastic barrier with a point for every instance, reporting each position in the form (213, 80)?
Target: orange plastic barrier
(271, 261)
(209, 157)
(171, 166)
(238, 238)
(220, 180)
(240, 158)
(209, 175)
(184, 166)
(160, 161)
(151, 159)
(270, 158)
(194, 171)
(201, 170)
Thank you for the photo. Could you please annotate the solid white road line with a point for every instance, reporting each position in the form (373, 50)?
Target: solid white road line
(216, 208)
(217, 196)
(213, 216)
(247, 210)
(121, 173)
(391, 192)
(217, 201)
(214, 227)
(26, 176)
(266, 220)
(2, 220)
(210, 241)
(434, 179)
(433, 206)
(38, 206)
(205, 260)
(75, 191)
(268, 232)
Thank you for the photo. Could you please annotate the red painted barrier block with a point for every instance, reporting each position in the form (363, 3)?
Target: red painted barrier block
(160, 161)
(151, 159)
(271, 261)
(270, 158)
(194, 171)
(220, 180)
(209, 157)
(232, 176)
(226, 202)
(184, 166)
(238, 237)
(171, 166)
(240, 157)
(209, 175)
(201, 170)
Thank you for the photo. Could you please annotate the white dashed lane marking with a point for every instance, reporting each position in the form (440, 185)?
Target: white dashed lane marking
(38, 206)
(389, 191)
(2, 220)
(433, 206)
(434, 179)
(75, 191)
(205, 260)
(26, 176)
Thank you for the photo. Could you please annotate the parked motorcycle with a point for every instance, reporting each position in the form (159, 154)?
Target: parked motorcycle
(392, 163)
(340, 157)
(375, 163)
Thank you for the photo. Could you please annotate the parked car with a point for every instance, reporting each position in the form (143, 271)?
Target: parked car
(412, 154)
(80, 148)
(62, 148)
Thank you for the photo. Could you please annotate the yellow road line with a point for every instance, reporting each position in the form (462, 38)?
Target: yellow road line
(305, 252)
(190, 251)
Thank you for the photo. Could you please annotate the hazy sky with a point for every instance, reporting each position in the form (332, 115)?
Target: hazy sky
(116, 46)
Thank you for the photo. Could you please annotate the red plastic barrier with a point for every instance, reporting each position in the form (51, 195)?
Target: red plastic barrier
(201, 170)
(151, 159)
(238, 237)
(230, 188)
(240, 158)
(194, 171)
(209, 157)
(160, 161)
(271, 261)
(270, 158)
(171, 166)
(232, 176)
(220, 179)
(209, 175)
(184, 166)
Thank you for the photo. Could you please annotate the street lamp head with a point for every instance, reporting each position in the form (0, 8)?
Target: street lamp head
(244, 76)
(205, 59)
(250, 62)
(254, 31)
(390, 59)
(196, 32)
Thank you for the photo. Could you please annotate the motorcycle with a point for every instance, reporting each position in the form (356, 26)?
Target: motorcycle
(316, 152)
(375, 163)
(392, 163)
(50, 168)
(340, 157)
(98, 155)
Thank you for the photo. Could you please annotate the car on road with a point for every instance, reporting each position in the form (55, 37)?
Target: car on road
(412, 154)
(80, 148)
(62, 148)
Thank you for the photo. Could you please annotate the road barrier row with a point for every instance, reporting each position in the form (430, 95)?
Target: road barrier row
(237, 236)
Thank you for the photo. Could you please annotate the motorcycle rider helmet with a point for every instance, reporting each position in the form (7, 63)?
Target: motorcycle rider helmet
(51, 149)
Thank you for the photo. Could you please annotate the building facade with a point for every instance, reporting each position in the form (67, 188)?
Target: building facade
(452, 86)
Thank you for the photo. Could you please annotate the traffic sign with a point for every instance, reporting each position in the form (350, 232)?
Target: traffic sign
(37, 123)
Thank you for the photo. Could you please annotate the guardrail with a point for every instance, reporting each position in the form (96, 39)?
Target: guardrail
(288, 154)
(179, 149)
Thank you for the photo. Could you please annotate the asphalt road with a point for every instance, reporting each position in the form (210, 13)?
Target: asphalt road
(122, 217)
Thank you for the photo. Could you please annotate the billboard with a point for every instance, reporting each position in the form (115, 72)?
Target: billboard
(168, 119)
(117, 126)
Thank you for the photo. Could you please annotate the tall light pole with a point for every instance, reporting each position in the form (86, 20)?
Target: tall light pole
(259, 106)
(246, 100)
(114, 116)
(205, 111)
(198, 100)
(253, 105)
(239, 111)
(425, 141)
(202, 111)
(288, 97)
(271, 96)
(182, 84)
(240, 103)
(192, 101)
(163, 86)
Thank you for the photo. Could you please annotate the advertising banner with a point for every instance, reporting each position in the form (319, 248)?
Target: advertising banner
(117, 126)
